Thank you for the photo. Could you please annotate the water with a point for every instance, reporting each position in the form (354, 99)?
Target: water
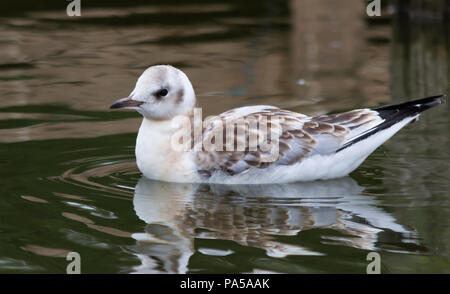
(68, 176)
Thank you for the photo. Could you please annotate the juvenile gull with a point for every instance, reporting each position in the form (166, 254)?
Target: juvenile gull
(308, 148)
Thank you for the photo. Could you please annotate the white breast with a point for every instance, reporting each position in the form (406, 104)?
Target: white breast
(156, 158)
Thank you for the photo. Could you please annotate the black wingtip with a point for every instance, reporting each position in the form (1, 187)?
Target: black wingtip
(411, 107)
(431, 101)
(393, 114)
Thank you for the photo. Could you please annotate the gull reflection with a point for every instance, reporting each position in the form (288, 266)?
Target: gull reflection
(252, 215)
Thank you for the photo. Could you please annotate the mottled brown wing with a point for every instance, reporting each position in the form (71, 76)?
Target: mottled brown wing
(299, 137)
(356, 122)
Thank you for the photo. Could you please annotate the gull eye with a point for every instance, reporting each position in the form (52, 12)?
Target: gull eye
(162, 93)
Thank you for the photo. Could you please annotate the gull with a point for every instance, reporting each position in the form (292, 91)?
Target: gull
(308, 148)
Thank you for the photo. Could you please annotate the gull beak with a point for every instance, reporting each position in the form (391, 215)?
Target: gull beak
(125, 103)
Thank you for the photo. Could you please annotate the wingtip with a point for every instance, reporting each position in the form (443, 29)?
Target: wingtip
(437, 100)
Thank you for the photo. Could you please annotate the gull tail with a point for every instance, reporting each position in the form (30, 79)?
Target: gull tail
(395, 117)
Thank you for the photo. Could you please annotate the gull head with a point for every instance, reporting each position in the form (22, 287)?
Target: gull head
(161, 92)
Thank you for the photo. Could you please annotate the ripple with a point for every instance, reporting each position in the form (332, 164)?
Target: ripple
(112, 176)
(11, 264)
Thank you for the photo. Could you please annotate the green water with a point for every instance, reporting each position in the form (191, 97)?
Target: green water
(68, 176)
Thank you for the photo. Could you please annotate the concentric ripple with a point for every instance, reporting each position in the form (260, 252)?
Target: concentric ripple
(111, 175)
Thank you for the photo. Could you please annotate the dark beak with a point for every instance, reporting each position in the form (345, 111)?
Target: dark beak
(125, 102)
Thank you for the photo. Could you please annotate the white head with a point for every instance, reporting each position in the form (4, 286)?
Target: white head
(161, 92)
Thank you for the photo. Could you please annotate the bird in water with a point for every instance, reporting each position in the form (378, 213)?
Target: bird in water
(252, 144)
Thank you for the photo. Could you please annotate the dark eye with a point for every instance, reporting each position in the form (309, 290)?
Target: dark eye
(162, 93)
